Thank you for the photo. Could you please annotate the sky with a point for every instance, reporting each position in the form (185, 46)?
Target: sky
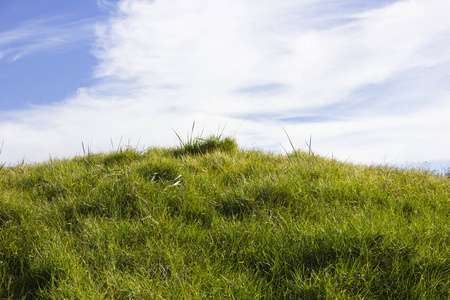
(364, 81)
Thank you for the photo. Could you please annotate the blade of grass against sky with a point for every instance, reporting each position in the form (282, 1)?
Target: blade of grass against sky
(367, 81)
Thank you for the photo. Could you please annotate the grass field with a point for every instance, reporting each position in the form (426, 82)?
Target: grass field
(209, 220)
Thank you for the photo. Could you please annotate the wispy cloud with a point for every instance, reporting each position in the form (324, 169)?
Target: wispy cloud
(365, 81)
(263, 89)
(39, 35)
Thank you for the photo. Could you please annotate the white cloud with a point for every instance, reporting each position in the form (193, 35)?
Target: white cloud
(165, 64)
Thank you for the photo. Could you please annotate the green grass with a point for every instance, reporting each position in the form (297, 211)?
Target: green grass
(210, 220)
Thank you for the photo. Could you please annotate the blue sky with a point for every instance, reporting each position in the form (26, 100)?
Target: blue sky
(45, 50)
(368, 80)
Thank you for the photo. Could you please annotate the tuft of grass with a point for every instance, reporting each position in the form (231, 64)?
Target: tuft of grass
(219, 222)
(199, 145)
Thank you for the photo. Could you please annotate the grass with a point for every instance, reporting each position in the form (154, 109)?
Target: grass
(210, 220)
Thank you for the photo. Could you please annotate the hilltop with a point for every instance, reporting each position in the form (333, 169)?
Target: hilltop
(210, 220)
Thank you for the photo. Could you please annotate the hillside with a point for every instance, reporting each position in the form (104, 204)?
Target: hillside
(210, 220)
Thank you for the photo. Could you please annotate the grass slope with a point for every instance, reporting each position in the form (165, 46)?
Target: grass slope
(208, 220)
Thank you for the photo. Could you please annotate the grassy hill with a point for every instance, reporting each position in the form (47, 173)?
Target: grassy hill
(210, 220)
